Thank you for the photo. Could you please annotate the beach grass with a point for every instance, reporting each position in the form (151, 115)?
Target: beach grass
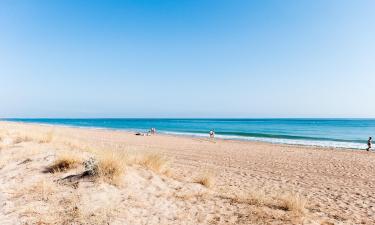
(206, 179)
(111, 166)
(293, 202)
(21, 138)
(154, 161)
(47, 137)
(64, 162)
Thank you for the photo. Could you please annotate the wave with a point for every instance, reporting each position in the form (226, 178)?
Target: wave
(284, 136)
(271, 136)
(313, 142)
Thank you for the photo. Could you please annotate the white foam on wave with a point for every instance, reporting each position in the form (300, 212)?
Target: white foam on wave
(322, 143)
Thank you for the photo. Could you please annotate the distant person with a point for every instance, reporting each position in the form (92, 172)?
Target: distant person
(369, 144)
(212, 134)
(153, 131)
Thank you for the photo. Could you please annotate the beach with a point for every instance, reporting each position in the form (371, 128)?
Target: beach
(204, 181)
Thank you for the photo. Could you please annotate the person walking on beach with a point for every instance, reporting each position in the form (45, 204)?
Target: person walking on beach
(369, 144)
(152, 131)
(212, 134)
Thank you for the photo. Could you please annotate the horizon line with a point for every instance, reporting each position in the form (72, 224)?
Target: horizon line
(233, 118)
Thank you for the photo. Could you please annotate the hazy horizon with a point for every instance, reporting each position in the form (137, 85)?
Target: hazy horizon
(187, 59)
(198, 118)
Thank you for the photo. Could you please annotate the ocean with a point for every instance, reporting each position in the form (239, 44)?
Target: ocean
(344, 133)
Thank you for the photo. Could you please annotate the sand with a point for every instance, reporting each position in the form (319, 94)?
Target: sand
(338, 185)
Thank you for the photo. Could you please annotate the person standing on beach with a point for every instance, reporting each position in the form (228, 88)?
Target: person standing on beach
(152, 131)
(212, 134)
(369, 144)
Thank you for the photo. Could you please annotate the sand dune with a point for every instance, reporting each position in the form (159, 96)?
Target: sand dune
(179, 180)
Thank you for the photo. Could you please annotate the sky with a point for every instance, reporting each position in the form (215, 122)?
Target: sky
(187, 58)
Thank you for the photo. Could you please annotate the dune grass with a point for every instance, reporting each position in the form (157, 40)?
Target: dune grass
(258, 197)
(155, 162)
(46, 138)
(20, 139)
(63, 163)
(111, 166)
(44, 189)
(207, 180)
(275, 199)
(293, 202)
(41, 190)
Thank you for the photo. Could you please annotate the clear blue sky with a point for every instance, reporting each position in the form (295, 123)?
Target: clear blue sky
(192, 58)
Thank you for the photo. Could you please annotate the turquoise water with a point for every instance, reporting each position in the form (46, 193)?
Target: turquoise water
(347, 133)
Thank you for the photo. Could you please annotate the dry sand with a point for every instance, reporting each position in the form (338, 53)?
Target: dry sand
(338, 184)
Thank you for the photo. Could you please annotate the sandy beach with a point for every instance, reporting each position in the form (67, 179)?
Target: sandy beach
(179, 180)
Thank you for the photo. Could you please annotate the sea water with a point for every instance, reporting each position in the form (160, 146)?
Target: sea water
(344, 133)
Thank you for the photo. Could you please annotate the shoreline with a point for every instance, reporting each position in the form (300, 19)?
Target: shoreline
(186, 135)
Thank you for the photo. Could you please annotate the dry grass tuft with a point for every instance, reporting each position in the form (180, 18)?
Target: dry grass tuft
(42, 190)
(206, 180)
(111, 166)
(155, 162)
(293, 202)
(45, 189)
(258, 198)
(46, 138)
(63, 162)
(69, 211)
(168, 172)
(20, 139)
